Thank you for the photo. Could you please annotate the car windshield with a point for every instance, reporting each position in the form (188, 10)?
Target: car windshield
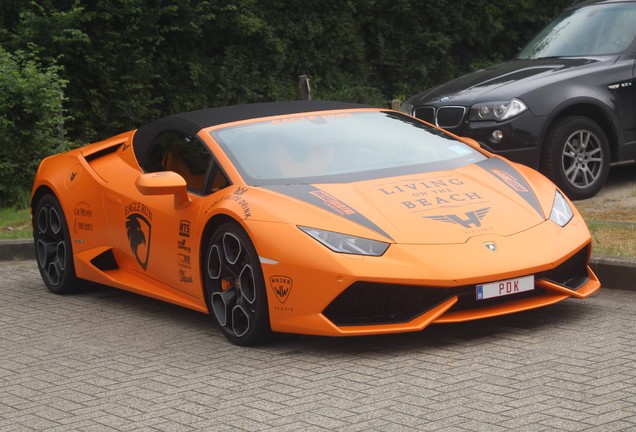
(592, 30)
(339, 147)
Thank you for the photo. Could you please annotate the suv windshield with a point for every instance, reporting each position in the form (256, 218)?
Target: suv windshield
(592, 30)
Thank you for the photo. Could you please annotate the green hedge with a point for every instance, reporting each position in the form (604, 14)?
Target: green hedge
(123, 62)
(31, 120)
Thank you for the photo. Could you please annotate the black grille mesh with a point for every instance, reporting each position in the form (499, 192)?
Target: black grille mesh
(572, 273)
(450, 117)
(425, 113)
(373, 303)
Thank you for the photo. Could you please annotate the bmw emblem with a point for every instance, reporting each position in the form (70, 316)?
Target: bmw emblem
(491, 246)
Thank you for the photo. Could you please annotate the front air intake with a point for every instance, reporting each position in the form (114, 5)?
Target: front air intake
(365, 303)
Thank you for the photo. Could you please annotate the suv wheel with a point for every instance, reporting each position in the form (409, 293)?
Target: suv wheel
(576, 156)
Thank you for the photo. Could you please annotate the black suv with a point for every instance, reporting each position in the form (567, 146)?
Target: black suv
(565, 105)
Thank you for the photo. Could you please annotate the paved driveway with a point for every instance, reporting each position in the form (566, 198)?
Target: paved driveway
(105, 360)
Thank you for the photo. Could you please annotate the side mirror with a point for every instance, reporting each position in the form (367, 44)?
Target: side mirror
(164, 183)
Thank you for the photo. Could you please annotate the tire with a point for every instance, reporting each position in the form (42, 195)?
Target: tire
(53, 250)
(235, 286)
(576, 156)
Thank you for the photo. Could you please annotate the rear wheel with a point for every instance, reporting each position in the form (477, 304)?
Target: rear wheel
(53, 246)
(576, 156)
(235, 286)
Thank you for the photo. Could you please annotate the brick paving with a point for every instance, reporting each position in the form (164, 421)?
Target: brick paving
(106, 360)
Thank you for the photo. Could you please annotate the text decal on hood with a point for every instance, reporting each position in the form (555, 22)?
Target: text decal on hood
(312, 195)
(508, 175)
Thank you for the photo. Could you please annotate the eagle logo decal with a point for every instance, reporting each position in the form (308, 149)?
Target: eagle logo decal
(138, 229)
(473, 218)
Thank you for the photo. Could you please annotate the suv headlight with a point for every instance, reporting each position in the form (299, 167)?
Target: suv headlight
(348, 244)
(561, 212)
(496, 111)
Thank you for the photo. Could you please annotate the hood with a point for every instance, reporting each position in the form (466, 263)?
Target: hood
(443, 207)
(503, 81)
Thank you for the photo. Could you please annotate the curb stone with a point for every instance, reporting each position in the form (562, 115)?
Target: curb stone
(613, 272)
(20, 249)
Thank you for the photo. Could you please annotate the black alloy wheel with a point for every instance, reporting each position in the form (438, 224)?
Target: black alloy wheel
(53, 250)
(235, 286)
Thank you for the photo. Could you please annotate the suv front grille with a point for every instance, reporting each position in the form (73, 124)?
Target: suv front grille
(425, 113)
(450, 117)
(447, 117)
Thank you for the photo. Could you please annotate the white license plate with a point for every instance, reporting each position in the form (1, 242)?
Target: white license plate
(505, 287)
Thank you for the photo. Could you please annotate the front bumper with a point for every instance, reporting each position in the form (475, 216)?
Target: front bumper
(413, 286)
(373, 303)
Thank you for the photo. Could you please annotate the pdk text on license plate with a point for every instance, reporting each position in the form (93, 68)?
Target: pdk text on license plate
(505, 287)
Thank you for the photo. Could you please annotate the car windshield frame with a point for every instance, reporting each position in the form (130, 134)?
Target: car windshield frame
(339, 147)
(588, 31)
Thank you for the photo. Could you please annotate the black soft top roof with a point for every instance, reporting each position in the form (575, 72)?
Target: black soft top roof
(192, 122)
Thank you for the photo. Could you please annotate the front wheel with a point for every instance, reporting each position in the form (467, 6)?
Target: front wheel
(53, 246)
(576, 156)
(235, 286)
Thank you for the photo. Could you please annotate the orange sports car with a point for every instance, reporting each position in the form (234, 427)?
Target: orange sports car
(312, 217)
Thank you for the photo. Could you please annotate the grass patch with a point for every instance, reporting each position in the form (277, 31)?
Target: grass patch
(613, 227)
(614, 213)
(15, 223)
(613, 238)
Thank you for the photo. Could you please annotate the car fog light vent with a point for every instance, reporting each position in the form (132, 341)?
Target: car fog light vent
(497, 135)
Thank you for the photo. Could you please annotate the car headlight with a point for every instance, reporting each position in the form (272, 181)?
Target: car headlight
(496, 111)
(561, 212)
(348, 244)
